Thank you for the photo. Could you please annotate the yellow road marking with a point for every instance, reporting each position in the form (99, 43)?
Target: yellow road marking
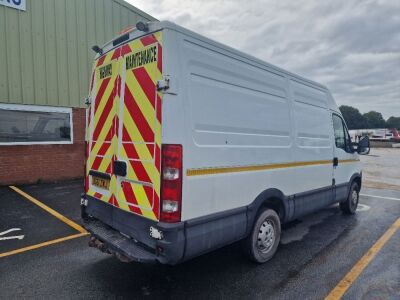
(348, 280)
(50, 210)
(70, 237)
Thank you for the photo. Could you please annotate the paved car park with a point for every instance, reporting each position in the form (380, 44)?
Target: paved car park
(326, 253)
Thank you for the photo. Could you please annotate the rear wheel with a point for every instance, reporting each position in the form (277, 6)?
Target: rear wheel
(263, 241)
(350, 205)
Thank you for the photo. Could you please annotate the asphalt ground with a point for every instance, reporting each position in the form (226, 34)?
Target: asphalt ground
(315, 254)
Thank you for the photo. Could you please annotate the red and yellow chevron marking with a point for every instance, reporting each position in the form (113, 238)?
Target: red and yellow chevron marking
(141, 132)
(140, 120)
(102, 126)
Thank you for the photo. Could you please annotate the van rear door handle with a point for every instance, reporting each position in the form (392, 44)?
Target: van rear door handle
(335, 161)
(120, 168)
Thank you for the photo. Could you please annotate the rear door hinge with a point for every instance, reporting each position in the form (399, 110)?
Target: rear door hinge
(167, 85)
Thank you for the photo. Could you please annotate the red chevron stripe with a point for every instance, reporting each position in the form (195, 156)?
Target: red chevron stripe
(158, 158)
(146, 83)
(130, 197)
(108, 137)
(100, 93)
(132, 153)
(156, 206)
(98, 195)
(109, 168)
(118, 88)
(116, 126)
(148, 39)
(158, 108)
(149, 193)
(125, 49)
(96, 163)
(101, 60)
(116, 202)
(138, 118)
(103, 148)
(89, 116)
(116, 53)
(159, 58)
(139, 169)
(131, 150)
(104, 114)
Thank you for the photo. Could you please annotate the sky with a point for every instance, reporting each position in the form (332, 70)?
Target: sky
(351, 46)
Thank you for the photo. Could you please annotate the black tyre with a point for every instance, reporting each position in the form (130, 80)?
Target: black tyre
(263, 240)
(350, 205)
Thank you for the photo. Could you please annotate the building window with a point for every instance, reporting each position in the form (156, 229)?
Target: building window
(26, 125)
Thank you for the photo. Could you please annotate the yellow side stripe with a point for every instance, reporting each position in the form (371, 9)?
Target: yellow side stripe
(221, 170)
(50, 210)
(347, 281)
(36, 246)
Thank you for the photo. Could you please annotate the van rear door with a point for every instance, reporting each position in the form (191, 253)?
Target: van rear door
(124, 161)
(102, 128)
(140, 127)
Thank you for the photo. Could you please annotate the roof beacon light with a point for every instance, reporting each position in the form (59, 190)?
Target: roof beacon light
(97, 49)
(142, 26)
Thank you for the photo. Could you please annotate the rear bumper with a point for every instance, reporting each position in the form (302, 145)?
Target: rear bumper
(129, 234)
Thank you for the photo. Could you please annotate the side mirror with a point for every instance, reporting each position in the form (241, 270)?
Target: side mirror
(363, 146)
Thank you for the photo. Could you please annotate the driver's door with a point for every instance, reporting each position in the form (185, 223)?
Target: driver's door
(345, 158)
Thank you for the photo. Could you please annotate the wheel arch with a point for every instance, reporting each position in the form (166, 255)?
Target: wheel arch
(356, 177)
(270, 198)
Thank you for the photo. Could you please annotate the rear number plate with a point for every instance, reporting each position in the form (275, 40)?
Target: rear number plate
(101, 182)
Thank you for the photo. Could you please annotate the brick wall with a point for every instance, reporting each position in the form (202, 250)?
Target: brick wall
(45, 163)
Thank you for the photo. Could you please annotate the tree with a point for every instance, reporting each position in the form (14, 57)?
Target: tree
(354, 119)
(374, 119)
(393, 122)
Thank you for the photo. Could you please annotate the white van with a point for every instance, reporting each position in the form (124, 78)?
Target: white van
(192, 145)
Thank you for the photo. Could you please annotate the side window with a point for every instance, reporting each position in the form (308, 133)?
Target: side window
(340, 138)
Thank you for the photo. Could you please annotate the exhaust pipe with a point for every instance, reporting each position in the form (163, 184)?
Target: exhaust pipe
(96, 243)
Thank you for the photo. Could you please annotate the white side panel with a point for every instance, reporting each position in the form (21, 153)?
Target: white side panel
(225, 114)
(313, 135)
(235, 113)
(310, 95)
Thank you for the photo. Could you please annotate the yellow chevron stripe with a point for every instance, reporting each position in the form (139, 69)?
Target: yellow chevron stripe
(158, 36)
(158, 125)
(106, 127)
(108, 57)
(120, 197)
(131, 127)
(142, 150)
(142, 102)
(140, 194)
(153, 71)
(105, 162)
(221, 170)
(103, 100)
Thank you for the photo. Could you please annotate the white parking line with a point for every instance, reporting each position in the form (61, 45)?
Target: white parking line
(380, 197)
(19, 237)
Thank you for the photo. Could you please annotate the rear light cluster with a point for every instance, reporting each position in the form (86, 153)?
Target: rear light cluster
(171, 183)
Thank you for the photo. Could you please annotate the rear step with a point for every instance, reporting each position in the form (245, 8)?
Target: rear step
(111, 241)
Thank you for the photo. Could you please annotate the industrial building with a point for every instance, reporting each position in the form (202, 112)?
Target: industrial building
(45, 62)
